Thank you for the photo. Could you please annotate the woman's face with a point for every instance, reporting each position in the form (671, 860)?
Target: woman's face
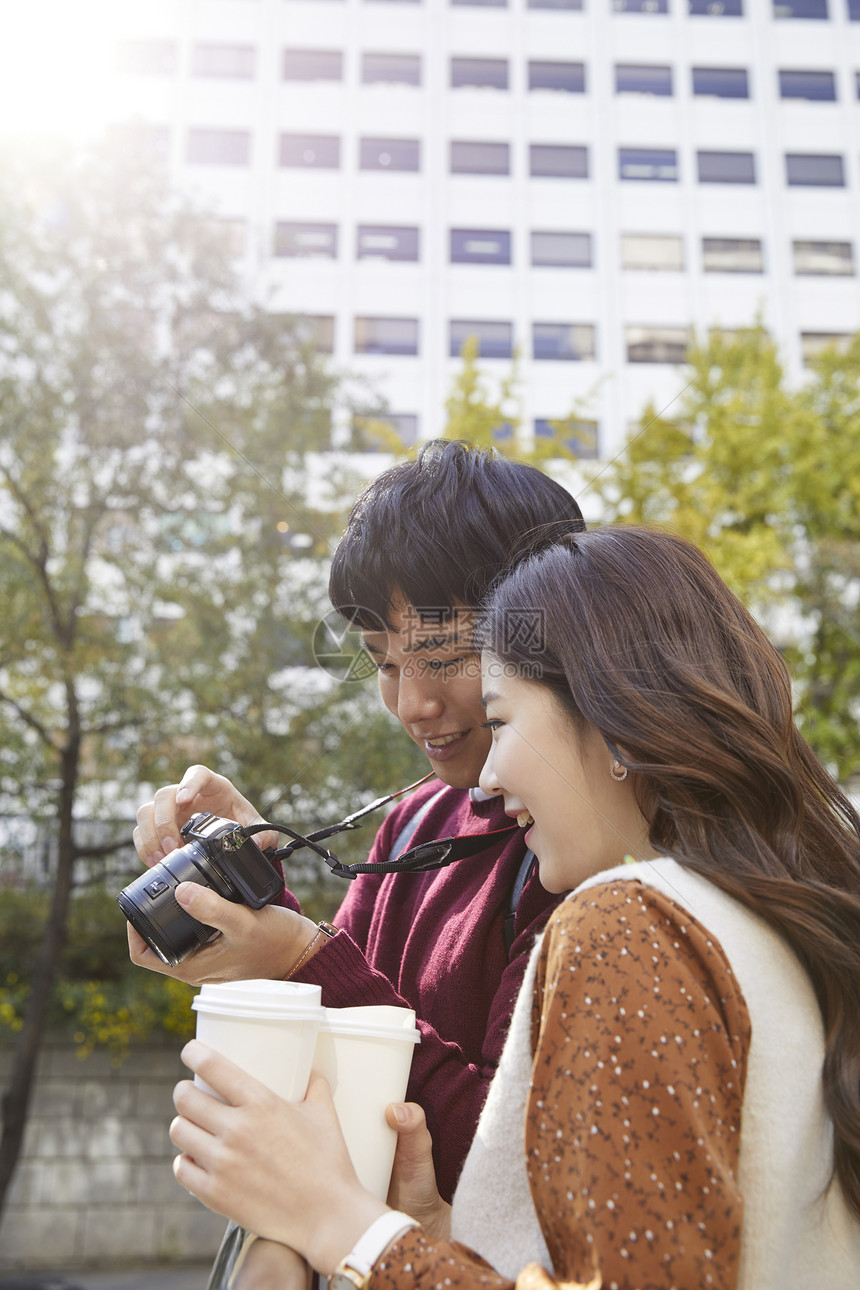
(584, 820)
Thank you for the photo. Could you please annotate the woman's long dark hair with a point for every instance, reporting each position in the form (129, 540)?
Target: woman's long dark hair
(641, 637)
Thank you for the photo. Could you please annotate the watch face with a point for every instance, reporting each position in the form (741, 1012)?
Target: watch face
(346, 1278)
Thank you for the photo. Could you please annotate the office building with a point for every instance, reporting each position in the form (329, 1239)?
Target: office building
(577, 181)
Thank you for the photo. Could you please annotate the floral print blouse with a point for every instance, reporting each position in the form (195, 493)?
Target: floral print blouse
(632, 1132)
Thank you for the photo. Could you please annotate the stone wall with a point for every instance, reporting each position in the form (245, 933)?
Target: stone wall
(94, 1185)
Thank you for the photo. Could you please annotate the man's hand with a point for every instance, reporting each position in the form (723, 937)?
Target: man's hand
(200, 789)
(255, 944)
(413, 1180)
(267, 1265)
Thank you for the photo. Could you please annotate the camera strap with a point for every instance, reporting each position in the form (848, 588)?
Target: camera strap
(430, 855)
(423, 858)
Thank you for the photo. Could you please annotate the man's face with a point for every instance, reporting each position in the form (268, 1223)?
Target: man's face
(430, 678)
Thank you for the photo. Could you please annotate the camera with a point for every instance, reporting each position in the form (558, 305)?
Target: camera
(216, 854)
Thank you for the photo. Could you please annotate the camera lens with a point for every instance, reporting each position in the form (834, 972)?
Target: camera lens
(150, 905)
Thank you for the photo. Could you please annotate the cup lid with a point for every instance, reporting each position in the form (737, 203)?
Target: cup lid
(289, 999)
(376, 1021)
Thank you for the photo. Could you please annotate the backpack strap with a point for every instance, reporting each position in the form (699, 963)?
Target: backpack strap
(526, 866)
(409, 829)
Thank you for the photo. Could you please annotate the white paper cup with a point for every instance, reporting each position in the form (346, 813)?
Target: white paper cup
(269, 1028)
(365, 1054)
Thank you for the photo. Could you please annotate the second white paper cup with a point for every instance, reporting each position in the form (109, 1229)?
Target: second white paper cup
(365, 1054)
(269, 1028)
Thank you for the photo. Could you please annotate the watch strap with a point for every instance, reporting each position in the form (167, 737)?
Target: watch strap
(358, 1264)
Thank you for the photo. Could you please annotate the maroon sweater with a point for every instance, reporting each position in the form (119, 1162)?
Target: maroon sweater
(435, 942)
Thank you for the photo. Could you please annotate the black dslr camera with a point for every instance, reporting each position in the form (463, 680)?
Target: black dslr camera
(218, 855)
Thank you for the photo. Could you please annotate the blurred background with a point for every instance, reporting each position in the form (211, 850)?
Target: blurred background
(252, 252)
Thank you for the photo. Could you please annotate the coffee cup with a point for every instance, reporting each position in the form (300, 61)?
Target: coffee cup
(365, 1054)
(269, 1028)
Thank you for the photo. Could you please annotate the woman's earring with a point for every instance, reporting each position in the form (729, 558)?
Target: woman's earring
(618, 771)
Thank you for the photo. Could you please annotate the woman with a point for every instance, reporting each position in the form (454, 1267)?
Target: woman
(685, 1053)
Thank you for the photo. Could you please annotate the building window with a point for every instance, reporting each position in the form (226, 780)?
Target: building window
(726, 167)
(721, 82)
(716, 8)
(579, 437)
(814, 170)
(316, 330)
(369, 430)
(219, 147)
(306, 241)
(317, 151)
(555, 4)
(853, 10)
(815, 86)
(800, 9)
(480, 158)
(312, 65)
(387, 242)
(567, 78)
(824, 259)
(561, 250)
(390, 154)
(656, 344)
(640, 6)
(238, 61)
(396, 336)
(147, 57)
(660, 164)
(567, 342)
(641, 78)
(489, 4)
(652, 251)
(495, 339)
(558, 161)
(813, 342)
(149, 143)
(474, 246)
(479, 73)
(732, 255)
(391, 69)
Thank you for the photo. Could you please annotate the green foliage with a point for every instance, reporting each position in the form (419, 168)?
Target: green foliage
(491, 419)
(474, 414)
(99, 998)
(767, 480)
(168, 505)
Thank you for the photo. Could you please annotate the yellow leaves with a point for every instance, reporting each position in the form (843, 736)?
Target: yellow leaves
(766, 479)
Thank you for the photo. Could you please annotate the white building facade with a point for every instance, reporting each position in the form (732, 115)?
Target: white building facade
(581, 182)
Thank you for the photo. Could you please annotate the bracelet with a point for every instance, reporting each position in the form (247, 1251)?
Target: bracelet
(323, 929)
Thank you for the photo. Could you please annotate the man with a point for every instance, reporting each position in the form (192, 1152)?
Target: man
(424, 542)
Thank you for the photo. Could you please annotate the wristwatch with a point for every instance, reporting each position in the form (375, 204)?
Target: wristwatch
(356, 1269)
(349, 1276)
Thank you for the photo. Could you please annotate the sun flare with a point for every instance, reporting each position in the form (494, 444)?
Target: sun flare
(57, 67)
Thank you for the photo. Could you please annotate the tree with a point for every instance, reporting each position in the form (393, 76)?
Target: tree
(766, 478)
(491, 419)
(164, 526)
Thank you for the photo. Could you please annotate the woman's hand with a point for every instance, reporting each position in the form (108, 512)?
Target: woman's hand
(413, 1179)
(279, 1169)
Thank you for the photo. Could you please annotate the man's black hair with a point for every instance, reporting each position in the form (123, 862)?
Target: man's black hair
(441, 529)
